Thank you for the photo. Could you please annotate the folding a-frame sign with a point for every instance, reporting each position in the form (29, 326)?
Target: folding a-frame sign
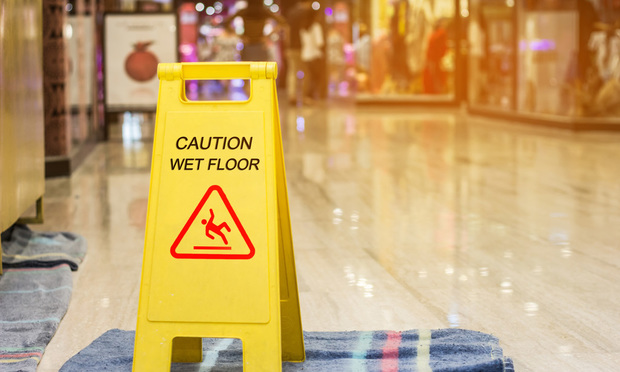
(218, 255)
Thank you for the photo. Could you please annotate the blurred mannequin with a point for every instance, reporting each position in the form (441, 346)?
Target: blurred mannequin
(295, 17)
(312, 42)
(434, 76)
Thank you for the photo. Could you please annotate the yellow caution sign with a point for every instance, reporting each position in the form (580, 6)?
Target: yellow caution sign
(218, 255)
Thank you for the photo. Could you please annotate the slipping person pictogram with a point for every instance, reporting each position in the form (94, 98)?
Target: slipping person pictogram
(217, 229)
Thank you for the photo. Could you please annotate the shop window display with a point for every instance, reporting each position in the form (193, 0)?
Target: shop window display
(491, 54)
(570, 73)
(405, 48)
(547, 61)
(339, 49)
(599, 94)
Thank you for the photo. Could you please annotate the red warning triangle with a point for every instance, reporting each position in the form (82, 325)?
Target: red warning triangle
(215, 232)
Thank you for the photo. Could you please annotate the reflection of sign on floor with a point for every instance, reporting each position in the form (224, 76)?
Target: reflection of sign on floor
(213, 226)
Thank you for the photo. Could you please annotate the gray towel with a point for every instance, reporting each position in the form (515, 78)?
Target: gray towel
(35, 291)
(22, 247)
(32, 303)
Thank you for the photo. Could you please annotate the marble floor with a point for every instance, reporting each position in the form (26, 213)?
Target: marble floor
(401, 219)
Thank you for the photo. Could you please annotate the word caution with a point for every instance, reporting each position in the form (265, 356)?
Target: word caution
(214, 163)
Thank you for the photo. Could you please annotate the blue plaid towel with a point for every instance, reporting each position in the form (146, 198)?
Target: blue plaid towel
(456, 350)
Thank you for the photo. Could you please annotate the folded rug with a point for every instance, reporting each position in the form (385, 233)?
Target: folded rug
(22, 247)
(35, 290)
(456, 350)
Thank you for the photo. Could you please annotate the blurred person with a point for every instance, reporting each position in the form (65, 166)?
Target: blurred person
(295, 17)
(312, 42)
(419, 26)
(399, 73)
(335, 57)
(588, 20)
(434, 76)
(255, 16)
(224, 47)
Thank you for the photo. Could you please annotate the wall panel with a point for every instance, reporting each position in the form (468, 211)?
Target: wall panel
(22, 179)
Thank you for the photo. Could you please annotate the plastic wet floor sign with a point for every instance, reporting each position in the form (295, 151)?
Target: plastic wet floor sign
(218, 256)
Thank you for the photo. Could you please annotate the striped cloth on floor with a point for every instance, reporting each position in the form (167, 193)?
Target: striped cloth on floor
(455, 350)
(35, 291)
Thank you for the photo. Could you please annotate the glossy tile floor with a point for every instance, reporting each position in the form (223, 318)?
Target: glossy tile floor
(401, 219)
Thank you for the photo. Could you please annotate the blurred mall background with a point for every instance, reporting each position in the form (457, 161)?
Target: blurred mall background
(549, 62)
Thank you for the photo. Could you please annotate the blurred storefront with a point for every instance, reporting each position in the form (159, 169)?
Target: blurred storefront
(549, 62)
(553, 62)
(396, 51)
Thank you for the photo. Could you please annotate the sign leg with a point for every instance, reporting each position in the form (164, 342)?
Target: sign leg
(152, 351)
(293, 349)
(261, 350)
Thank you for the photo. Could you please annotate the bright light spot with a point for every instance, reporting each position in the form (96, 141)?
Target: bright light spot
(465, 13)
(268, 29)
(69, 7)
(484, 271)
(186, 49)
(454, 319)
(237, 83)
(463, 278)
(238, 25)
(210, 10)
(316, 5)
(268, 2)
(506, 286)
(301, 124)
(566, 252)
(204, 29)
(300, 74)
(218, 7)
(510, 3)
(105, 302)
(200, 7)
(329, 12)
(238, 96)
(449, 270)
(531, 308)
(274, 8)
(68, 31)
